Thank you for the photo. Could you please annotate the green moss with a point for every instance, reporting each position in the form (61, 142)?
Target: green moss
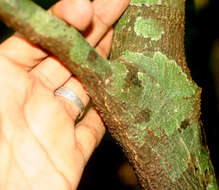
(148, 28)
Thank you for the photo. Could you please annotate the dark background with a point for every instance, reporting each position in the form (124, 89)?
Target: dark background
(108, 168)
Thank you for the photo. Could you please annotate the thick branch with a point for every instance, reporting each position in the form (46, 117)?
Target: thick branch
(145, 96)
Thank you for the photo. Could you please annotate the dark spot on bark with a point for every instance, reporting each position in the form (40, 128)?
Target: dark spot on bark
(132, 76)
(144, 115)
(92, 56)
(196, 168)
(184, 124)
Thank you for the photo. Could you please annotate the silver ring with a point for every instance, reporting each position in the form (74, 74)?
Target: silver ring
(72, 96)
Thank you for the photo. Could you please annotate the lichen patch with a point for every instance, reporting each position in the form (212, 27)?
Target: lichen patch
(148, 28)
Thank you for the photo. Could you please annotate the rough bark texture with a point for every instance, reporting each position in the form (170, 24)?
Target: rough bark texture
(145, 94)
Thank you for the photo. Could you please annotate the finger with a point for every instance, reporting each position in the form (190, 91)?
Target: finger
(53, 129)
(51, 73)
(21, 52)
(89, 133)
(27, 55)
(71, 107)
(75, 12)
(103, 47)
(106, 12)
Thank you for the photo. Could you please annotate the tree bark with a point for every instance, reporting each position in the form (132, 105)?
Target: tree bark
(145, 94)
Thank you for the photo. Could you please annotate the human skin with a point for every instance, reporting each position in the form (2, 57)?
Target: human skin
(41, 147)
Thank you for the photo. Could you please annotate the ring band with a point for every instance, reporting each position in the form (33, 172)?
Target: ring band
(72, 96)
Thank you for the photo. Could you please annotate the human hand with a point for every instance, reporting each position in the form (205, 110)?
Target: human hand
(40, 147)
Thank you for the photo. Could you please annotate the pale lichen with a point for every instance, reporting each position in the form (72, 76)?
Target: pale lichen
(164, 89)
(148, 28)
